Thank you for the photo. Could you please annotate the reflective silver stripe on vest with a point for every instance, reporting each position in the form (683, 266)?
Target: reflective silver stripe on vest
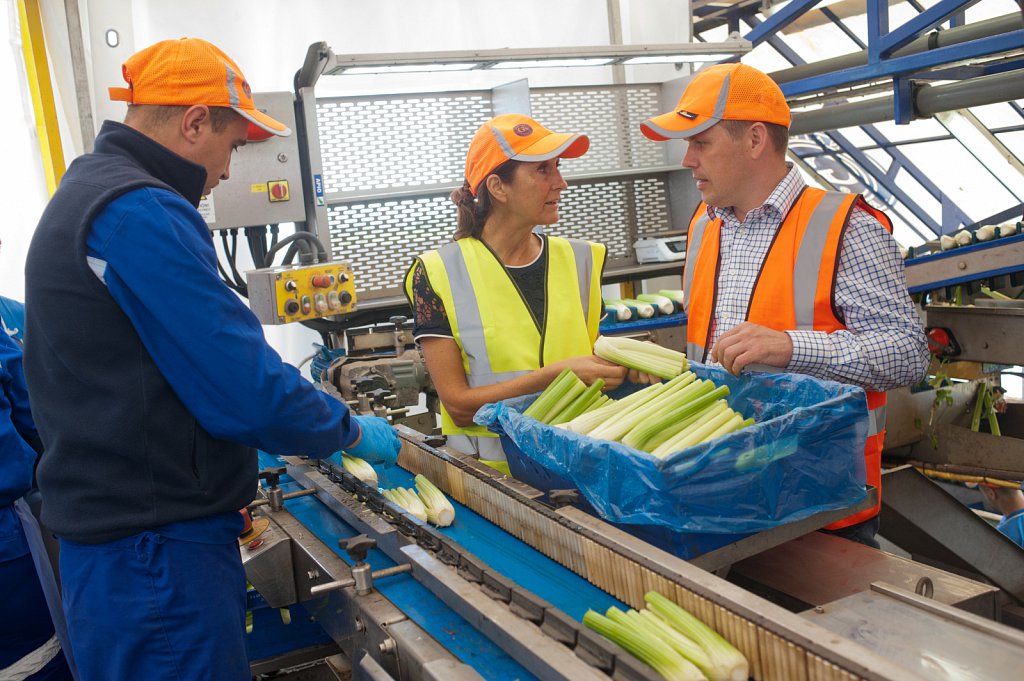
(467, 311)
(32, 663)
(693, 241)
(807, 268)
(876, 420)
(584, 269)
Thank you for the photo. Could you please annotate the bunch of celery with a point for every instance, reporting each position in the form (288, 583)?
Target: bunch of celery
(618, 309)
(665, 417)
(408, 500)
(426, 502)
(650, 358)
(566, 398)
(672, 641)
(440, 511)
(359, 468)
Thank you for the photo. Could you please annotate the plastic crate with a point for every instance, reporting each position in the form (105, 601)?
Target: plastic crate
(686, 545)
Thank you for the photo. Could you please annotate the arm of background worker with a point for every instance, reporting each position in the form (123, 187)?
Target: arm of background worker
(17, 457)
(444, 363)
(884, 345)
(160, 267)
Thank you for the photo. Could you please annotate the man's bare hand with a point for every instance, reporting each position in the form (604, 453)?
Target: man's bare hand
(751, 343)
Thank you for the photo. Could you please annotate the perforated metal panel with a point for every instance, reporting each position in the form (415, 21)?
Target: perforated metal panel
(397, 142)
(381, 238)
(610, 116)
(366, 147)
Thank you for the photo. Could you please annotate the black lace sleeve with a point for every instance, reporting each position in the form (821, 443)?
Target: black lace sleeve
(429, 316)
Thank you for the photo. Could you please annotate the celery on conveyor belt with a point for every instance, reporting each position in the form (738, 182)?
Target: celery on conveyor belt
(643, 310)
(620, 310)
(663, 304)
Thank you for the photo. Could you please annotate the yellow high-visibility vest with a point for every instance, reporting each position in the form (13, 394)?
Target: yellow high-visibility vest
(492, 323)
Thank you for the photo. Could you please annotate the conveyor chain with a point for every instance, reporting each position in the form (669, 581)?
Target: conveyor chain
(589, 646)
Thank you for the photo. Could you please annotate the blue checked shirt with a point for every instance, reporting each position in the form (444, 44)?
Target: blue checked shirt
(883, 346)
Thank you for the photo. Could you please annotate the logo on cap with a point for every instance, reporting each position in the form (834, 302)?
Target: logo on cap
(687, 115)
(246, 89)
(523, 130)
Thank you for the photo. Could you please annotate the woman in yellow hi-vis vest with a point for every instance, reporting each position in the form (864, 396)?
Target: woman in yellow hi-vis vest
(500, 311)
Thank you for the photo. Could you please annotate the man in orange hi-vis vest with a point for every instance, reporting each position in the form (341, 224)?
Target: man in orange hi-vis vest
(785, 275)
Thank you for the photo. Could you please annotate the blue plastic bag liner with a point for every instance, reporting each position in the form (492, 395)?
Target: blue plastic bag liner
(804, 455)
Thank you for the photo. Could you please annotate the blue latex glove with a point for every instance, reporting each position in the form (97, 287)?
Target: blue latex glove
(379, 442)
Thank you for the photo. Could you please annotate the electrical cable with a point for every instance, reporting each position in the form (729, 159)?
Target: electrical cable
(298, 236)
(232, 252)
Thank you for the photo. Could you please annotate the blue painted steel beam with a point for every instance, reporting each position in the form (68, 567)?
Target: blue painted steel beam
(781, 19)
(867, 166)
(1014, 213)
(878, 25)
(926, 20)
(955, 217)
(885, 180)
(843, 27)
(907, 65)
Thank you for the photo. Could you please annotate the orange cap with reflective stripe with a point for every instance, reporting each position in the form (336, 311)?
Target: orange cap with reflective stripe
(723, 92)
(515, 137)
(191, 71)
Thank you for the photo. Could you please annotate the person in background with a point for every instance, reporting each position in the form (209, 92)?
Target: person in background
(30, 649)
(504, 308)
(152, 383)
(12, 316)
(1010, 503)
(785, 275)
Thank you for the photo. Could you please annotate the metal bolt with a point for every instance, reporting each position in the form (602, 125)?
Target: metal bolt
(387, 646)
(819, 609)
(359, 625)
(282, 157)
(313, 575)
(962, 265)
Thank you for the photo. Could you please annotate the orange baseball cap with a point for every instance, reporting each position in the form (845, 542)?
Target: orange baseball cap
(191, 71)
(514, 137)
(723, 92)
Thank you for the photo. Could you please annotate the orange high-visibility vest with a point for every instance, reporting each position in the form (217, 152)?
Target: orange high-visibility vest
(795, 290)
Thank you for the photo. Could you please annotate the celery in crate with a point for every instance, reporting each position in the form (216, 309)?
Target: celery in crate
(565, 398)
(647, 357)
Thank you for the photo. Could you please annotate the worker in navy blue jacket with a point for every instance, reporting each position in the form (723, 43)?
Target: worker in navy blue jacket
(29, 646)
(152, 383)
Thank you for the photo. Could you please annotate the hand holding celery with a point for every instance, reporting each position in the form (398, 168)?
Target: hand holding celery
(672, 641)
(647, 357)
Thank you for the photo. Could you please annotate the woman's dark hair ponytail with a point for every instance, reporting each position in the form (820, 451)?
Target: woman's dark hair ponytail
(473, 211)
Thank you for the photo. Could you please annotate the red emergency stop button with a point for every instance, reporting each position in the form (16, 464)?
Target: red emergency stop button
(277, 190)
(322, 280)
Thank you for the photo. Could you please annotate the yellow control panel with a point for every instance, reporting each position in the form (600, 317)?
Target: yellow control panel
(279, 295)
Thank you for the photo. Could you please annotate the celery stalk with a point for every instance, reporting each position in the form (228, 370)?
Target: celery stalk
(668, 433)
(726, 663)
(576, 407)
(648, 649)
(551, 394)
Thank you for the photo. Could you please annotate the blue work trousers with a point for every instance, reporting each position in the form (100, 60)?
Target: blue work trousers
(154, 608)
